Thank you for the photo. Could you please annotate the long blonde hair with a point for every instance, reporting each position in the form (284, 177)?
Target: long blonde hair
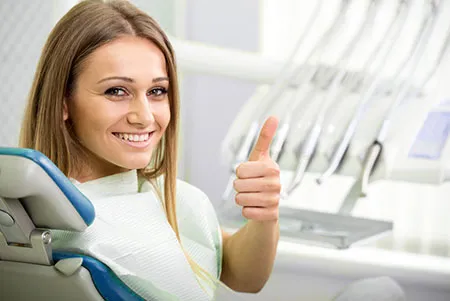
(87, 26)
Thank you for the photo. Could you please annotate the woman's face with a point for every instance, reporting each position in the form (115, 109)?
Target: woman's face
(120, 107)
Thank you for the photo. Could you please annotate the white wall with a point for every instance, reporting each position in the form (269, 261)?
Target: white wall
(22, 35)
(209, 103)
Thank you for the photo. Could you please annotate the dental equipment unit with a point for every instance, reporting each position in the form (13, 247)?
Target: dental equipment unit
(337, 84)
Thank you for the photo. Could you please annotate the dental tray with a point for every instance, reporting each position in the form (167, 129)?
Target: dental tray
(320, 228)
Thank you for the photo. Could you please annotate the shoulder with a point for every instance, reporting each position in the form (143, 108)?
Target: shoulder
(186, 190)
(193, 201)
(194, 209)
(190, 199)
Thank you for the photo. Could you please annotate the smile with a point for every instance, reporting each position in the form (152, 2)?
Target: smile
(133, 137)
(135, 140)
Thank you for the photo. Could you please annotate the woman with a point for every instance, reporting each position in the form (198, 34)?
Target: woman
(104, 108)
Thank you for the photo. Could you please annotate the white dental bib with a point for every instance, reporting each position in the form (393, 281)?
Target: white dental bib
(132, 236)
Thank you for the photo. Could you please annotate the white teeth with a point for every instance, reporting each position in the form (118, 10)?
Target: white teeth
(131, 137)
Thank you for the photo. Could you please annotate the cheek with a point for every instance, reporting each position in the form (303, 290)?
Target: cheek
(92, 119)
(162, 116)
(83, 120)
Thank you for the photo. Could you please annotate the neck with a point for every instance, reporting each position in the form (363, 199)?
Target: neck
(96, 170)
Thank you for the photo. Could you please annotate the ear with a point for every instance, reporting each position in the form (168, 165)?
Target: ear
(65, 110)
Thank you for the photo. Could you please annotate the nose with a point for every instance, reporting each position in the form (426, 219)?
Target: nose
(140, 112)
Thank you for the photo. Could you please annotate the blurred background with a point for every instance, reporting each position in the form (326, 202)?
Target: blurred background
(238, 64)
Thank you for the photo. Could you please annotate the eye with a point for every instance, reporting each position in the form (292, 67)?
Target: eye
(157, 92)
(116, 91)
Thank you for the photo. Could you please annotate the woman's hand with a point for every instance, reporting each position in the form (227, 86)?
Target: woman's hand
(258, 184)
(249, 254)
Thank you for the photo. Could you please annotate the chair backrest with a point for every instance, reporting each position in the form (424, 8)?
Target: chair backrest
(35, 197)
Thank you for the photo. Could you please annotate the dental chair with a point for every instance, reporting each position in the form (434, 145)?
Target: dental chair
(36, 197)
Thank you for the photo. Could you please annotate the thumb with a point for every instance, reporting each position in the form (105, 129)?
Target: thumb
(262, 146)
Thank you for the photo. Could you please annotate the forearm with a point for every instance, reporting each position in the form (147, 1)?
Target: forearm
(249, 255)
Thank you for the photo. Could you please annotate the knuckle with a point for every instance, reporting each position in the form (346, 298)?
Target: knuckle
(272, 186)
(268, 186)
(238, 198)
(272, 168)
(272, 201)
(278, 187)
(274, 214)
(277, 167)
(274, 171)
(276, 199)
(236, 184)
(238, 170)
(245, 213)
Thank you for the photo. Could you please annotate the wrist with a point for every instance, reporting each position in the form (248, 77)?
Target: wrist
(264, 225)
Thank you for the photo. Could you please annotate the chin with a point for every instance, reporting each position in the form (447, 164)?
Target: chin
(133, 166)
(137, 162)
(136, 165)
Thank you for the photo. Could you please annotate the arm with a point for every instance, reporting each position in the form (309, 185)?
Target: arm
(249, 255)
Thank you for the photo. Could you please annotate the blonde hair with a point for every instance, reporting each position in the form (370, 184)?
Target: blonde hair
(87, 26)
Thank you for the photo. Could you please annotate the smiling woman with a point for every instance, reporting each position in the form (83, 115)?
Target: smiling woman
(104, 108)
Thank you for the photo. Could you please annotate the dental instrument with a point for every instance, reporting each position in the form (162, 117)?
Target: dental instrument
(366, 99)
(302, 94)
(312, 138)
(360, 187)
(280, 84)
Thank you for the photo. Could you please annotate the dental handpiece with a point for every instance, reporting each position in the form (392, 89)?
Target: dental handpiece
(406, 86)
(280, 138)
(310, 144)
(360, 187)
(280, 84)
(342, 147)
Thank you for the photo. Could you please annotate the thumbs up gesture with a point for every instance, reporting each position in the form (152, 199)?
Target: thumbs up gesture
(258, 183)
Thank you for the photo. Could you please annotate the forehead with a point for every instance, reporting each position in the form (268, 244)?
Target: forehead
(134, 57)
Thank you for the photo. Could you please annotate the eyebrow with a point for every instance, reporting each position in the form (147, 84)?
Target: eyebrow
(130, 80)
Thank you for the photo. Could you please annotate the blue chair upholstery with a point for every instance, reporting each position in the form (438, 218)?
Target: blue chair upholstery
(107, 283)
(80, 203)
(21, 169)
